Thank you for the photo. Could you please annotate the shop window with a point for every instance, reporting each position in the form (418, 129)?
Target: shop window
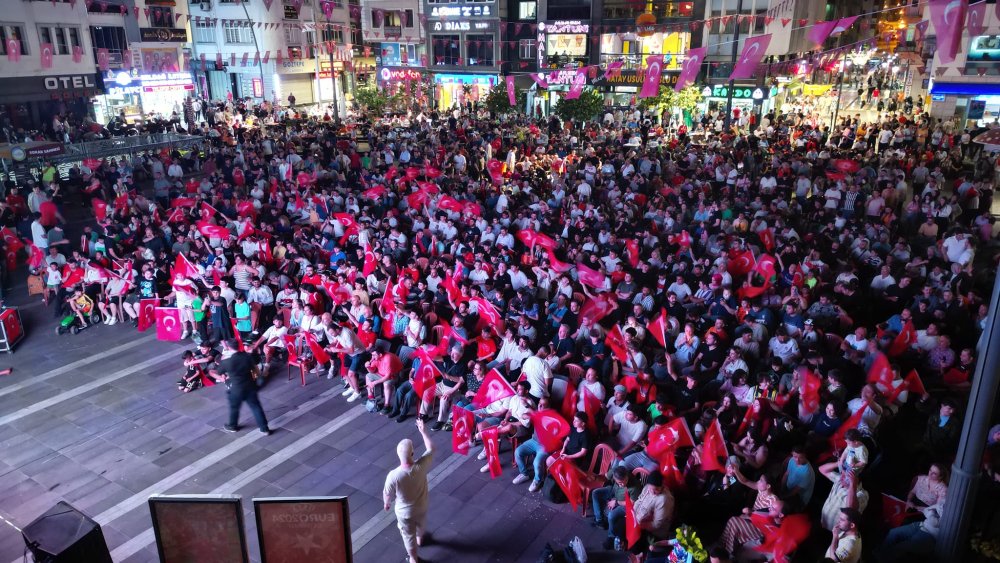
(237, 32)
(527, 10)
(527, 49)
(8, 32)
(161, 16)
(479, 49)
(204, 32)
(446, 50)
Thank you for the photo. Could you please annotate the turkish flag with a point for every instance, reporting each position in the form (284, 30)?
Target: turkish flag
(374, 192)
(591, 406)
(318, 352)
(212, 231)
(236, 334)
(589, 276)
(412, 172)
(207, 210)
(100, 209)
(550, 428)
(495, 168)
(46, 55)
(532, 238)
(35, 255)
(880, 372)
(903, 340)
(740, 263)
(491, 444)
(387, 304)
(184, 267)
(449, 203)
(391, 173)
(810, 384)
(488, 315)
(425, 377)
(168, 323)
(431, 172)
(616, 341)
(369, 265)
(103, 59)
(911, 382)
(568, 407)
(632, 530)
(767, 238)
(837, 440)
(338, 293)
(782, 540)
(632, 250)
(598, 307)
(417, 200)
(894, 511)
(570, 479)
(658, 328)
(669, 437)
(493, 388)
(463, 427)
(13, 50)
(556, 264)
(713, 447)
(448, 333)
(766, 266)
(183, 202)
(147, 313)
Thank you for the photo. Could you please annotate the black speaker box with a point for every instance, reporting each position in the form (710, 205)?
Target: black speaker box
(64, 535)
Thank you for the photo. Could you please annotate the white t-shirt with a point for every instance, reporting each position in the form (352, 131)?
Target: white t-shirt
(629, 432)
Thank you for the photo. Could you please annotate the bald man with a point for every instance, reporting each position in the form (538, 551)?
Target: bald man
(407, 485)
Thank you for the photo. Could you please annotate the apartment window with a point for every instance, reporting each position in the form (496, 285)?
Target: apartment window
(527, 10)
(356, 37)
(335, 35)
(62, 39)
(236, 33)
(527, 49)
(204, 32)
(408, 18)
(480, 50)
(376, 21)
(291, 13)
(293, 36)
(161, 16)
(9, 31)
(446, 50)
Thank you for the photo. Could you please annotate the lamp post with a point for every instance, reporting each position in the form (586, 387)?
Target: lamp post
(952, 541)
(735, 55)
(327, 7)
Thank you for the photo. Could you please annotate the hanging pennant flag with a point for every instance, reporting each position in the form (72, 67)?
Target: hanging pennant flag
(976, 19)
(13, 50)
(819, 32)
(690, 67)
(103, 59)
(843, 24)
(753, 52)
(46, 54)
(77, 54)
(947, 17)
(651, 81)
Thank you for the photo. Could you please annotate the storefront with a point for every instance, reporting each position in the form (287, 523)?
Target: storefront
(123, 97)
(974, 104)
(295, 77)
(563, 44)
(622, 90)
(746, 98)
(409, 81)
(632, 50)
(457, 89)
(31, 101)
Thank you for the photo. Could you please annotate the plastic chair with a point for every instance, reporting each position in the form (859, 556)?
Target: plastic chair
(295, 359)
(575, 372)
(642, 473)
(604, 456)
(437, 333)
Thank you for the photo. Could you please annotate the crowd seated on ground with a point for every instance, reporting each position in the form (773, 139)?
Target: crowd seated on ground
(719, 326)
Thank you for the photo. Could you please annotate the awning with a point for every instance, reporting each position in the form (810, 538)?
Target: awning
(965, 89)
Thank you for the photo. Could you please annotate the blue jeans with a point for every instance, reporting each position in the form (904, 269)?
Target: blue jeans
(615, 517)
(531, 447)
(905, 542)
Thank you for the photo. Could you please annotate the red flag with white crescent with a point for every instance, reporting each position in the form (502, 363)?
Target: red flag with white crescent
(589, 276)
(740, 263)
(532, 238)
(616, 341)
(713, 448)
(493, 388)
(491, 444)
(168, 324)
(632, 530)
(658, 328)
(426, 376)
(597, 307)
(767, 238)
(556, 264)
(488, 315)
(212, 231)
(837, 440)
(147, 313)
(550, 428)
(903, 340)
(318, 352)
(369, 265)
(570, 479)
(463, 428)
(632, 250)
(881, 372)
(669, 437)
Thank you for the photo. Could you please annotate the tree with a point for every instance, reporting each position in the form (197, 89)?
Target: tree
(371, 99)
(586, 107)
(686, 100)
(498, 103)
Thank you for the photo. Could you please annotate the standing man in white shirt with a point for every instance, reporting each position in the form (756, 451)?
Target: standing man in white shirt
(406, 485)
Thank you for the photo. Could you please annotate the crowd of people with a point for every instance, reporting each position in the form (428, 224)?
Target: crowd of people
(798, 307)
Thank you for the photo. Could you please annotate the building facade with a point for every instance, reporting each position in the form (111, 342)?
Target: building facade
(395, 33)
(463, 47)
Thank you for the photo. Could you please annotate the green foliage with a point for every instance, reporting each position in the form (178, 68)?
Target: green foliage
(371, 99)
(687, 99)
(588, 106)
(497, 102)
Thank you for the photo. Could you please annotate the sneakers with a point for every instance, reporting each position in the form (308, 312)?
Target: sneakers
(482, 455)
(353, 397)
(230, 429)
(184, 334)
(385, 411)
(315, 369)
(347, 392)
(267, 432)
(437, 426)
(114, 321)
(520, 479)
(329, 374)
(485, 469)
(535, 485)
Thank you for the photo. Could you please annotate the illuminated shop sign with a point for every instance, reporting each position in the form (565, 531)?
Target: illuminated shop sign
(461, 11)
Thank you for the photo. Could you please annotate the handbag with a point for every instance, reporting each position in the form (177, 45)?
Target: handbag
(35, 285)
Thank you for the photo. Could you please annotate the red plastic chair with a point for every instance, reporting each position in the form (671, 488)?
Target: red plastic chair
(295, 359)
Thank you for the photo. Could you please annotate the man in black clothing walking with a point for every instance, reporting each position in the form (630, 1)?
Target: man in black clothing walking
(235, 369)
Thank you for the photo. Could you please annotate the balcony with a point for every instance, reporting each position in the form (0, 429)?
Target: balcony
(393, 31)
